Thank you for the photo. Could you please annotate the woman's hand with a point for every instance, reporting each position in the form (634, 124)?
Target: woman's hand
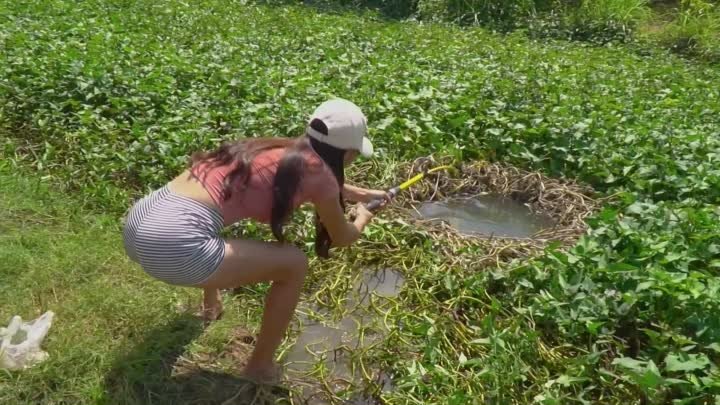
(372, 195)
(363, 195)
(363, 216)
(342, 233)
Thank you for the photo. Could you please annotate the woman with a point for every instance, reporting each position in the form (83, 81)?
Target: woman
(173, 233)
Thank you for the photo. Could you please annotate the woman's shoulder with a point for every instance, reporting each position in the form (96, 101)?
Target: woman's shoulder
(313, 161)
(319, 182)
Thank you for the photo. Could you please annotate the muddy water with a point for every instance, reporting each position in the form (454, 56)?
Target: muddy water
(328, 344)
(490, 215)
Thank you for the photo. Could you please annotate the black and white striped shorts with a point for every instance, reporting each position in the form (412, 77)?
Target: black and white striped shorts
(174, 238)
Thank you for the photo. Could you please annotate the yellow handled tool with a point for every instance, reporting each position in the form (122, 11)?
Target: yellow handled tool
(374, 205)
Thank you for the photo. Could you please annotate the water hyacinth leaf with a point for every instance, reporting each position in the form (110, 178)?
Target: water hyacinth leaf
(630, 363)
(686, 362)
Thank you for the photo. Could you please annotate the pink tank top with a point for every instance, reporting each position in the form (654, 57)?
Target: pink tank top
(255, 200)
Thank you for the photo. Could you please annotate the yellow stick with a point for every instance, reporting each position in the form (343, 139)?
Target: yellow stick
(417, 177)
(373, 205)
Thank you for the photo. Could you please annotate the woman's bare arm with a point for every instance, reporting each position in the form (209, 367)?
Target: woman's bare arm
(342, 232)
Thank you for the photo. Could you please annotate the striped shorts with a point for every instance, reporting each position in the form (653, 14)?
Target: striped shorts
(174, 238)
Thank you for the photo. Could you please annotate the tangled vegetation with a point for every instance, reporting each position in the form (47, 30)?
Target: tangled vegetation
(110, 97)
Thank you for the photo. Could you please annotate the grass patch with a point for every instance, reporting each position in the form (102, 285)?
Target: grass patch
(695, 30)
(117, 335)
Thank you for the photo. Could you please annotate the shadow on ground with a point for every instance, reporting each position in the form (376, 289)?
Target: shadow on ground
(149, 374)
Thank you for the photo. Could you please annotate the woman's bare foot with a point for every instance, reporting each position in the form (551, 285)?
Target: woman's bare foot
(212, 308)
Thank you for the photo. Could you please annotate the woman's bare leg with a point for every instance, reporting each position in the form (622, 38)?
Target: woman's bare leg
(250, 262)
(212, 304)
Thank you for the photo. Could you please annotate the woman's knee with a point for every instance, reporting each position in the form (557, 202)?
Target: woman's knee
(296, 263)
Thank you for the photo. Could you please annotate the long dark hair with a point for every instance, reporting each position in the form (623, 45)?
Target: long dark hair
(287, 178)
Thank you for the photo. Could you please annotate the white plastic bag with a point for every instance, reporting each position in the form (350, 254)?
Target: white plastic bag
(20, 342)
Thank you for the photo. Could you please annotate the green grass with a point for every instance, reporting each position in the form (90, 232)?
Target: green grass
(116, 333)
(109, 99)
(694, 30)
(59, 257)
(686, 27)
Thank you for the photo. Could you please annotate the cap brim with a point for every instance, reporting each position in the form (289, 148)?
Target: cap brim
(367, 147)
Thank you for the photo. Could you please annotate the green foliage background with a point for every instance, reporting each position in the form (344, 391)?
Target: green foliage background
(110, 97)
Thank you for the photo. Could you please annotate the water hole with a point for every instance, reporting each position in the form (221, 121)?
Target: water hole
(330, 343)
(489, 215)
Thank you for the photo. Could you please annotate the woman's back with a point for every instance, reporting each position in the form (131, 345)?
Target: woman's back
(254, 200)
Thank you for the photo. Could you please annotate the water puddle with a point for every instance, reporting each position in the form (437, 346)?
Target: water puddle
(490, 215)
(325, 348)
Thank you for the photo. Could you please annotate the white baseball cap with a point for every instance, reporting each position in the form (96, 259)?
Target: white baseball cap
(346, 126)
